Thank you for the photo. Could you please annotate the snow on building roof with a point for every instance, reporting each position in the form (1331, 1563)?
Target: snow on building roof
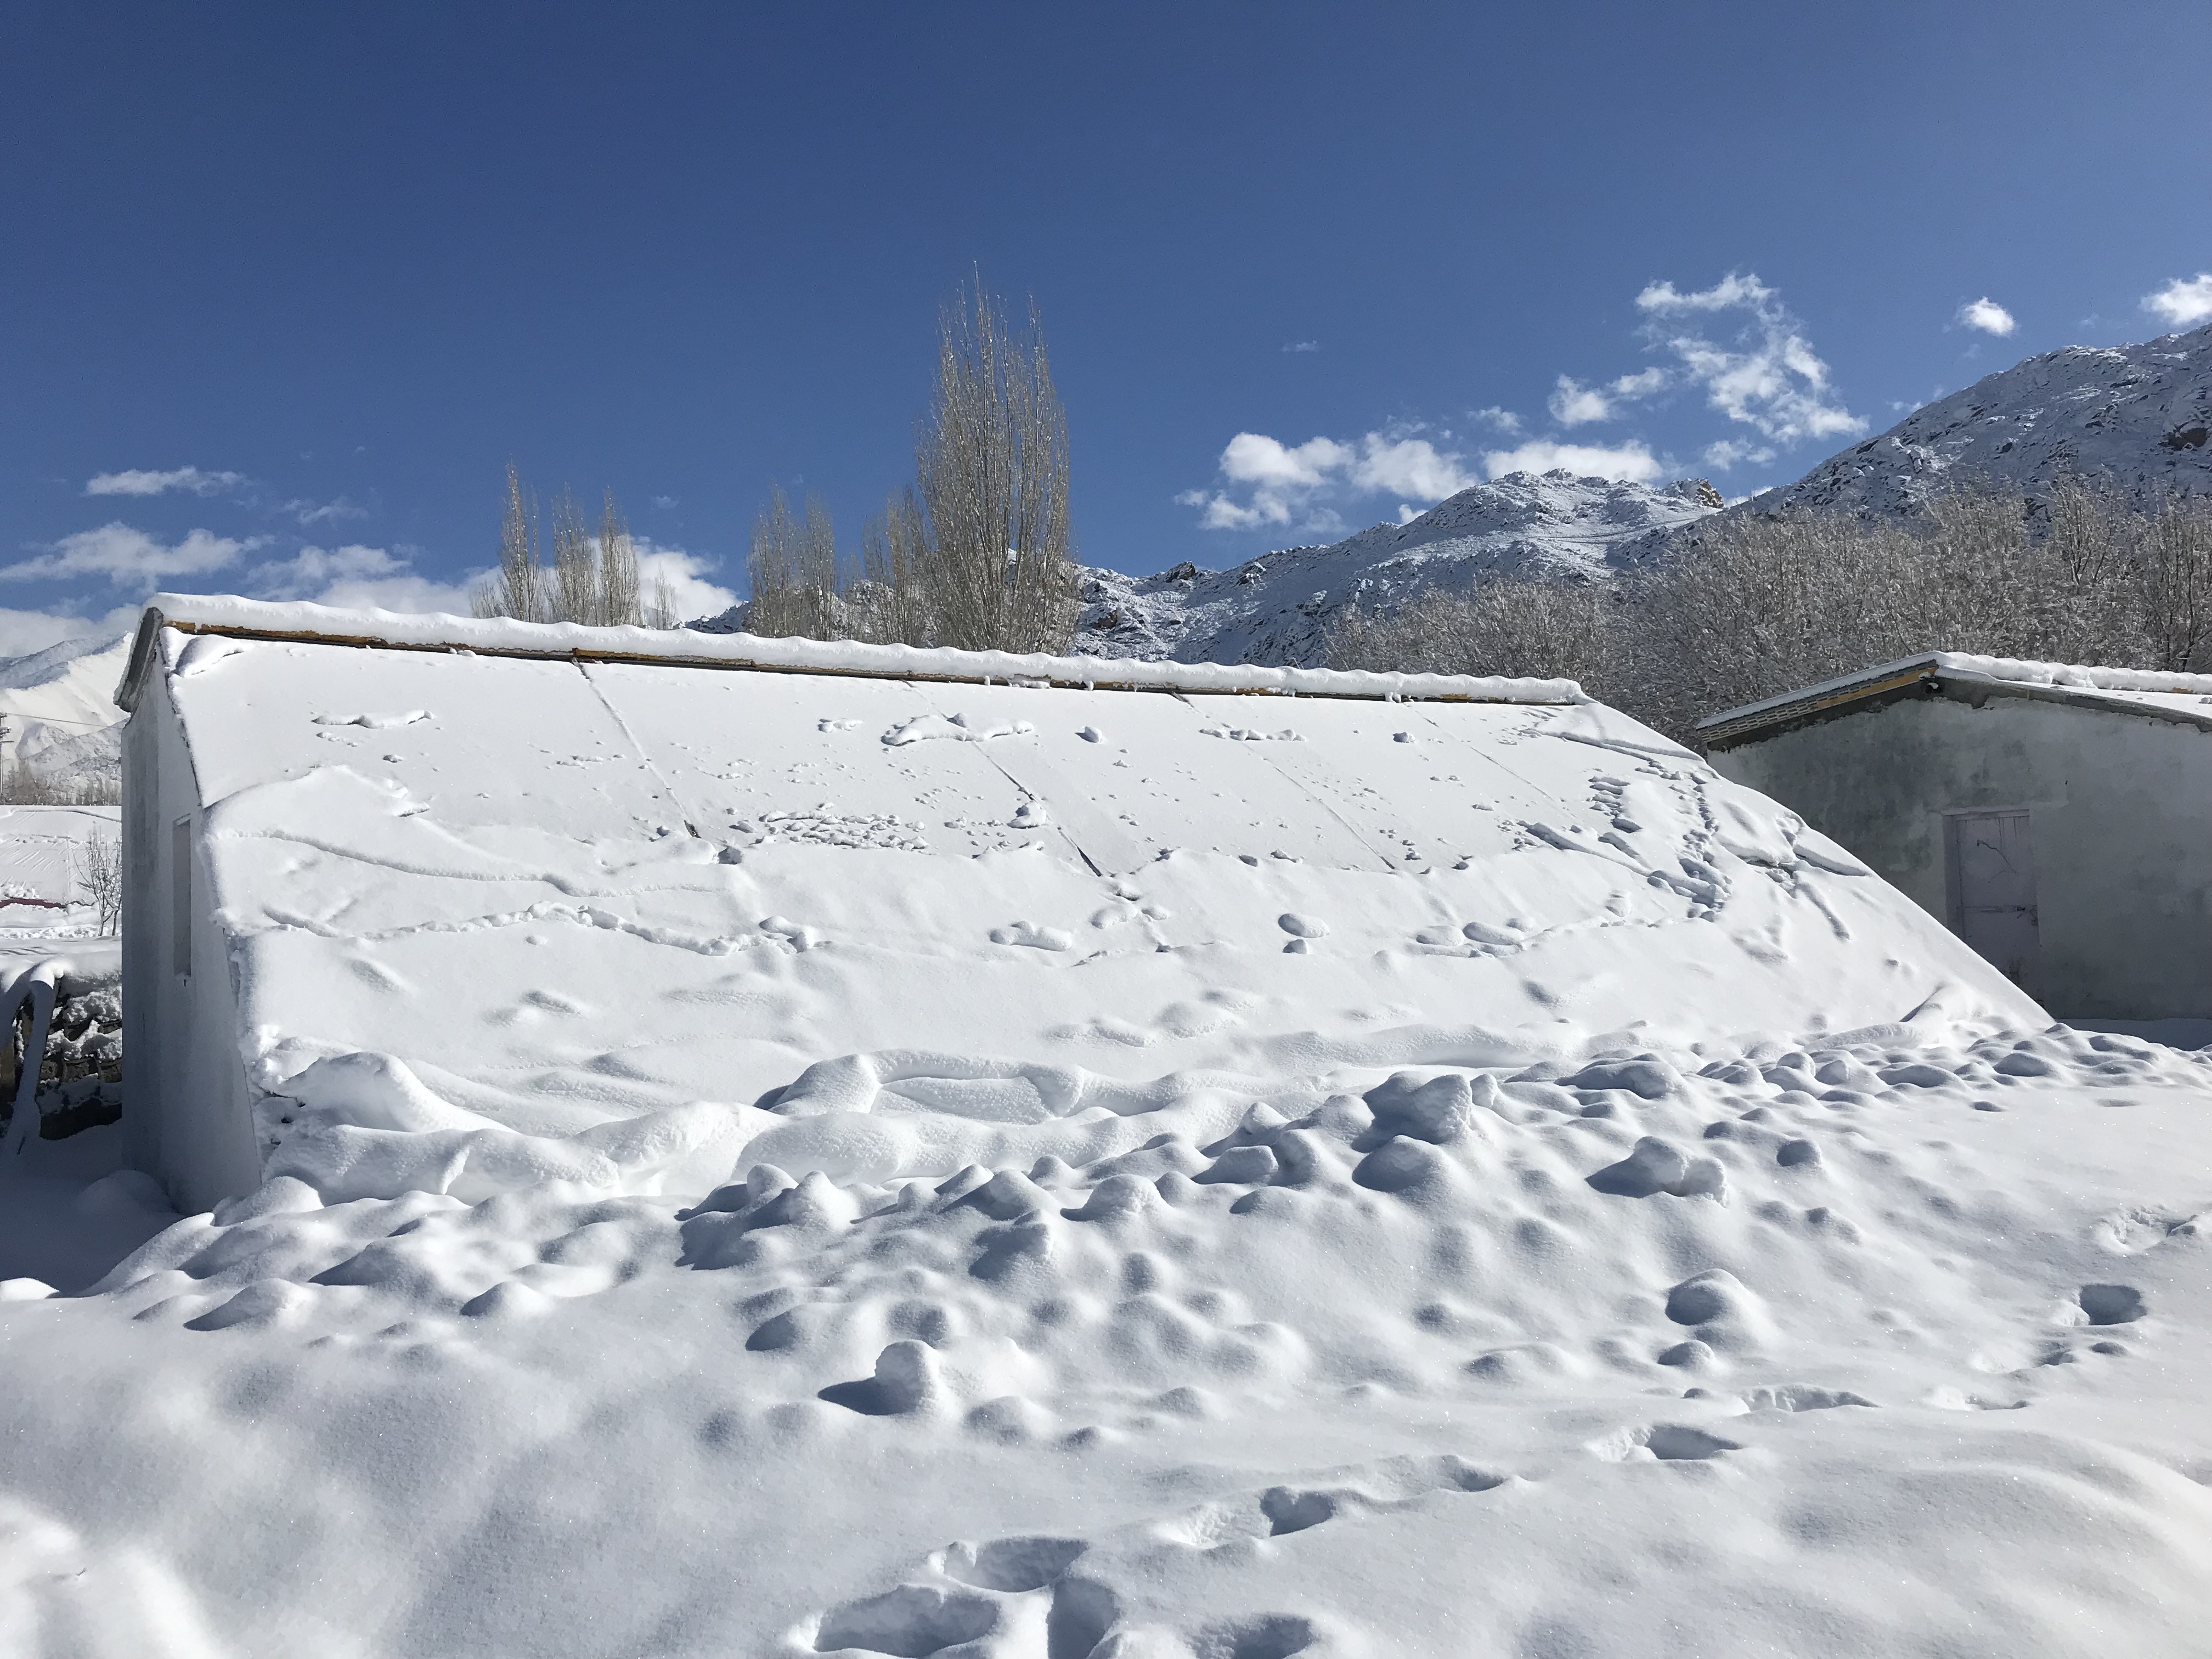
(502, 637)
(525, 910)
(2185, 696)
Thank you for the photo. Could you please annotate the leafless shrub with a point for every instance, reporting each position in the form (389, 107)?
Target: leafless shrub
(97, 863)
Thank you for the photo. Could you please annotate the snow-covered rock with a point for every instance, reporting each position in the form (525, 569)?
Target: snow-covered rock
(1280, 607)
(2139, 416)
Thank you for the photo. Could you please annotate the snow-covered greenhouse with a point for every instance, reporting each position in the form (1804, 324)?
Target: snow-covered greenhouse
(426, 903)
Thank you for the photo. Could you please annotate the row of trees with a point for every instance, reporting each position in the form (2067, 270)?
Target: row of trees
(593, 578)
(976, 552)
(24, 784)
(1755, 606)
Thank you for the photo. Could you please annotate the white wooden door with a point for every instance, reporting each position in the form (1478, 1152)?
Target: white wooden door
(1993, 888)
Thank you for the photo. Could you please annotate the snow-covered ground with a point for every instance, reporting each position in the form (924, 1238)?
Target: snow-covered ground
(776, 1164)
(43, 904)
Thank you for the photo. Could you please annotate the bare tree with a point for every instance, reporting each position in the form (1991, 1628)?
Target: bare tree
(98, 861)
(518, 589)
(791, 566)
(658, 608)
(617, 603)
(887, 603)
(576, 596)
(992, 465)
(2177, 562)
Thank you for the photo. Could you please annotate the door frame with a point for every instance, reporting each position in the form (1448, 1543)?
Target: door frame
(1954, 897)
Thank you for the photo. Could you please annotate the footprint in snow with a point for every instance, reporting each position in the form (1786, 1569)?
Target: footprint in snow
(1029, 933)
(1301, 929)
(374, 722)
(797, 936)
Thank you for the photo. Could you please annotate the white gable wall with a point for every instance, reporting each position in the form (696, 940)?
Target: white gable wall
(187, 1120)
(2119, 809)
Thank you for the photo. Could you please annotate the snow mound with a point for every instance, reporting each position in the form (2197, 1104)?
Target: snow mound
(1835, 1371)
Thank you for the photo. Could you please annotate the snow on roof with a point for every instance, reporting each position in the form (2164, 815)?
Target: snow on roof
(502, 637)
(2110, 687)
(561, 915)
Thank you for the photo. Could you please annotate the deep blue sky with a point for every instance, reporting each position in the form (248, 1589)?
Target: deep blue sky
(364, 256)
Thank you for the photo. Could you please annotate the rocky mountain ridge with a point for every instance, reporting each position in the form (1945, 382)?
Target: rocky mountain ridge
(1280, 607)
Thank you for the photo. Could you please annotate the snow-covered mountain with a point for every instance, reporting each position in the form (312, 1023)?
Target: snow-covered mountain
(1279, 608)
(2138, 415)
(58, 708)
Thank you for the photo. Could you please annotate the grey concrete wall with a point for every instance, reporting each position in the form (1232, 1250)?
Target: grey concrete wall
(2120, 808)
(186, 1117)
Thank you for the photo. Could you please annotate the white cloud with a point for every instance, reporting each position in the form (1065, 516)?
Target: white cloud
(361, 578)
(1573, 403)
(1396, 465)
(1291, 486)
(155, 484)
(1987, 315)
(22, 632)
(689, 590)
(407, 592)
(663, 502)
(125, 556)
(2184, 302)
(1768, 379)
(313, 569)
(1725, 454)
(1630, 462)
(1731, 293)
(1298, 346)
(309, 512)
(1502, 420)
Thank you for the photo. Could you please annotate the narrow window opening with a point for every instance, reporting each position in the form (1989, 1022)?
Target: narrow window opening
(180, 891)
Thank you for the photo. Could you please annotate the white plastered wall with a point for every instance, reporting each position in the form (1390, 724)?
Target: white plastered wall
(187, 1120)
(2120, 809)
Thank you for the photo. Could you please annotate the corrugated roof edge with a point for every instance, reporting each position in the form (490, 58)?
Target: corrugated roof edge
(2008, 670)
(502, 637)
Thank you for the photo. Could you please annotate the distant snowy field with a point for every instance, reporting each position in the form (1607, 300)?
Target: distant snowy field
(773, 1165)
(40, 850)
